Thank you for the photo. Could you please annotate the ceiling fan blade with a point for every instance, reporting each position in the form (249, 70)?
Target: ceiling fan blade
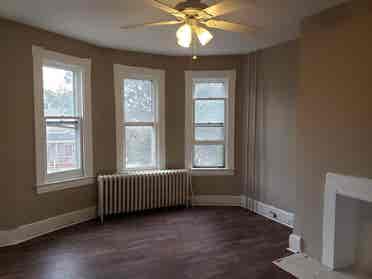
(228, 26)
(160, 23)
(160, 5)
(226, 6)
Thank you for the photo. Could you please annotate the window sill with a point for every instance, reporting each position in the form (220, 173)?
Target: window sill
(212, 172)
(66, 184)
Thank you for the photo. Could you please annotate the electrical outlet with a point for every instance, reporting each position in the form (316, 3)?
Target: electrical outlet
(273, 214)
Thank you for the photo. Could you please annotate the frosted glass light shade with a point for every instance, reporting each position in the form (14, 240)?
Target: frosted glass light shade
(204, 35)
(184, 36)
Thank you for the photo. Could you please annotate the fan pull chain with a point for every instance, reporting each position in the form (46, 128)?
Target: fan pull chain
(194, 47)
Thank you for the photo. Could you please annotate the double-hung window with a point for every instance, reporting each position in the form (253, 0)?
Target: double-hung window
(210, 122)
(139, 118)
(62, 120)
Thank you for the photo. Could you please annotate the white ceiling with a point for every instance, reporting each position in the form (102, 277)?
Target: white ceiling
(98, 22)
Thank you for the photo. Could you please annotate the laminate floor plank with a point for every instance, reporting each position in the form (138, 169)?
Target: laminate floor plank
(200, 243)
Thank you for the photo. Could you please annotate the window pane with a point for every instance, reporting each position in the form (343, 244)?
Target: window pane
(63, 146)
(209, 90)
(140, 147)
(209, 156)
(209, 111)
(58, 92)
(209, 133)
(138, 101)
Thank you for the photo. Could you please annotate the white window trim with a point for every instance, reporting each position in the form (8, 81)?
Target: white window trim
(42, 185)
(122, 72)
(230, 78)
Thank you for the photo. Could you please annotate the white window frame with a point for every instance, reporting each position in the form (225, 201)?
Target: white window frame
(122, 72)
(229, 78)
(44, 182)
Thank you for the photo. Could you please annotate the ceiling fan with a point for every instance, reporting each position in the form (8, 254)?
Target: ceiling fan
(194, 16)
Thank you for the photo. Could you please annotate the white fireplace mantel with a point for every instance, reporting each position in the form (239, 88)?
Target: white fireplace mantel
(340, 219)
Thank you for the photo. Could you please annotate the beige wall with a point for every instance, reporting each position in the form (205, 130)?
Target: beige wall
(334, 127)
(226, 185)
(6, 134)
(17, 141)
(278, 86)
(18, 164)
(22, 204)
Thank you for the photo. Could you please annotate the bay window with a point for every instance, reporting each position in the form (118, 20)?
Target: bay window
(210, 122)
(62, 120)
(139, 118)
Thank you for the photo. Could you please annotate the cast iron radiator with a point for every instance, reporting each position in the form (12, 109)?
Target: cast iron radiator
(142, 190)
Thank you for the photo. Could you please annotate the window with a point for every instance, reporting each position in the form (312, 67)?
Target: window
(210, 122)
(139, 118)
(62, 120)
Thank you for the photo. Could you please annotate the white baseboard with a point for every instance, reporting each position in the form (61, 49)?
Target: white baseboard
(295, 243)
(278, 215)
(29, 231)
(216, 200)
(268, 211)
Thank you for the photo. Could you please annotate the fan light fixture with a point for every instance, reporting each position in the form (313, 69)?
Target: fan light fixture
(192, 14)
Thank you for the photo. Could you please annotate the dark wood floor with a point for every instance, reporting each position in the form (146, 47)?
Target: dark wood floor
(199, 243)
